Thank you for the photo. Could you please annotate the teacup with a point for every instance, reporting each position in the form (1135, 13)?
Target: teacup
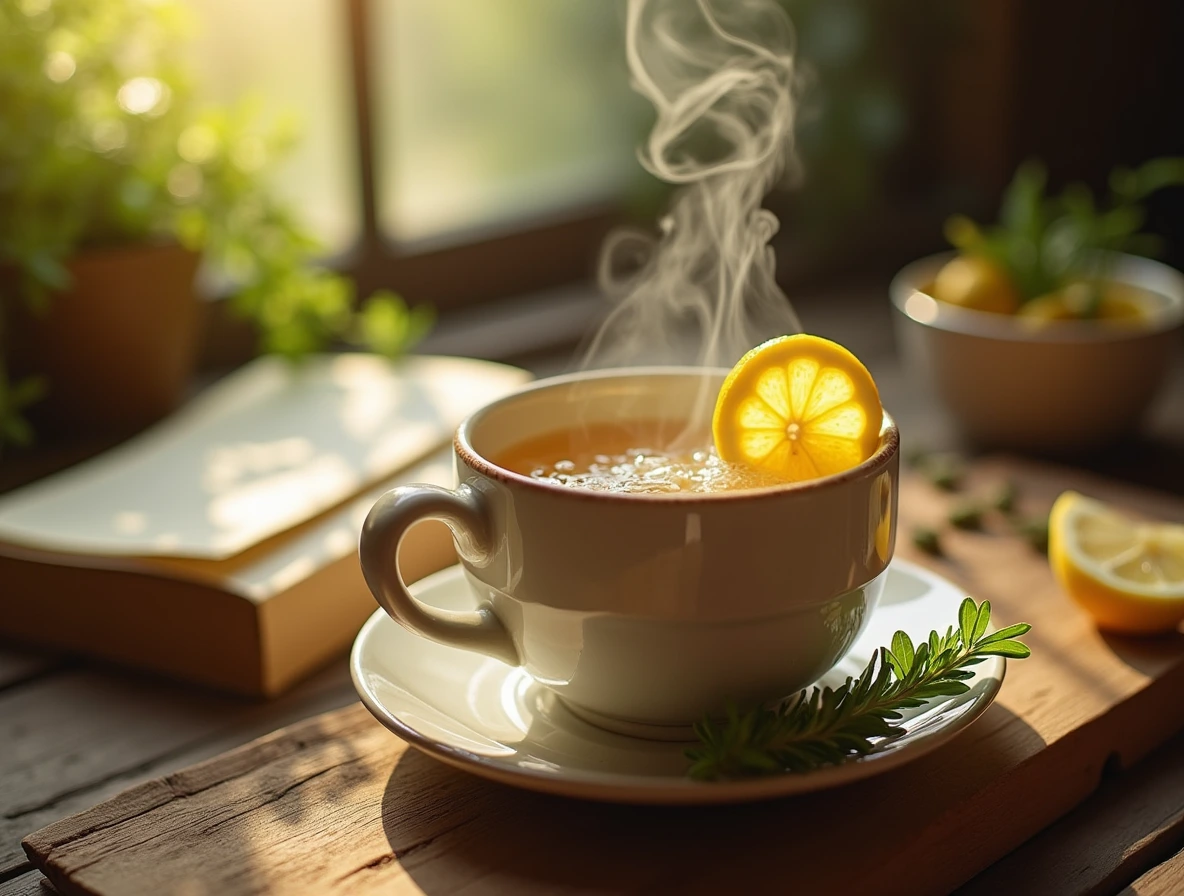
(644, 612)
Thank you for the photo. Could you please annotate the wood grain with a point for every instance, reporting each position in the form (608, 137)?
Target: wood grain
(26, 885)
(85, 734)
(1163, 880)
(1135, 821)
(337, 804)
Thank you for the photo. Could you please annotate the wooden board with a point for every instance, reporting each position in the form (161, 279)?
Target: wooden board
(1134, 822)
(1163, 880)
(82, 735)
(26, 885)
(337, 804)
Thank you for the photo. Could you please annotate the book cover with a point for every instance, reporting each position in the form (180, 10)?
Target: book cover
(220, 546)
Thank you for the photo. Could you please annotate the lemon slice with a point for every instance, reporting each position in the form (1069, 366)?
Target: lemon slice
(798, 407)
(1128, 575)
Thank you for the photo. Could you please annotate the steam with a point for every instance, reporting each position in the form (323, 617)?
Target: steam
(721, 77)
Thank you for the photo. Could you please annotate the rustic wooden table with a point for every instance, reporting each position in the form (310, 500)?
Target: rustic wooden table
(73, 733)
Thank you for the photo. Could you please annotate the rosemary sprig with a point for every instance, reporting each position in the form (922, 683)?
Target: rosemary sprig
(824, 726)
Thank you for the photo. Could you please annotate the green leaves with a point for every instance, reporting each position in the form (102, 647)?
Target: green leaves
(47, 270)
(973, 620)
(1013, 649)
(14, 399)
(389, 327)
(901, 656)
(82, 166)
(1046, 242)
(821, 726)
(1153, 176)
(1023, 211)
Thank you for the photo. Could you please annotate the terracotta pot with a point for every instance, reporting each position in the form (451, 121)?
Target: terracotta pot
(118, 348)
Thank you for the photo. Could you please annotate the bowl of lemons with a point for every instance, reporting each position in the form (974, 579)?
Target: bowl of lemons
(1051, 331)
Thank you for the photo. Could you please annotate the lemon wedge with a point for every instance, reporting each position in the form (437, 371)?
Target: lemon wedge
(1128, 575)
(798, 407)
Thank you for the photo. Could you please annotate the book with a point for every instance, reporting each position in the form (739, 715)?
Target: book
(220, 546)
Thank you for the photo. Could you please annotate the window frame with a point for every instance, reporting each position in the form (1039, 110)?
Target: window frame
(488, 264)
(454, 276)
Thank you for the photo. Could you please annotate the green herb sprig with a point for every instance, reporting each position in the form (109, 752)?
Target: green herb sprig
(824, 726)
(1044, 241)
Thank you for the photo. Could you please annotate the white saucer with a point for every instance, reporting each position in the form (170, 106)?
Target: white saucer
(495, 721)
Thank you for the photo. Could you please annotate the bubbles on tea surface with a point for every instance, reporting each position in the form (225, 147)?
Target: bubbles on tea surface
(645, 471)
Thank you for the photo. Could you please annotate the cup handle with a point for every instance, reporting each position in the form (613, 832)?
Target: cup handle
(463, 512)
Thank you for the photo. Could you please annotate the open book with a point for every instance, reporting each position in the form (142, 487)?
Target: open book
(220, 545)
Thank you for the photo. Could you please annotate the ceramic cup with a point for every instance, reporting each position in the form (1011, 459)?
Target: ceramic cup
(644, 612)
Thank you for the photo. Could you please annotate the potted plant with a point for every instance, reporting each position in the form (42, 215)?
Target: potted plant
(114, 186)
(1049, 331)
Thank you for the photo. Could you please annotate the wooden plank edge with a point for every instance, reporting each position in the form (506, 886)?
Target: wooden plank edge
(1079, 756)
(1165, 879)
(29, 883)
(39, 846)
(1000, 801)
(1110, 740)
(1135, 820)
(244, 723)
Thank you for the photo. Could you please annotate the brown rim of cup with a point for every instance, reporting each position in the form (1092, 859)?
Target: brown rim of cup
(888, 448)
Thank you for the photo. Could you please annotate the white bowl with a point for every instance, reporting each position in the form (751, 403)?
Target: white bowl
(1062, 387)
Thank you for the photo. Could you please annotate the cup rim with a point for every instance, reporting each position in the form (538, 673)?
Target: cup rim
(889, 447)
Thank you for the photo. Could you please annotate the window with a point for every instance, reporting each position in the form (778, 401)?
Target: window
(492, 112)
(488, 128)
(291, 57)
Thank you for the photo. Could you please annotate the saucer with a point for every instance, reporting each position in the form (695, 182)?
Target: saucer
(495, 721)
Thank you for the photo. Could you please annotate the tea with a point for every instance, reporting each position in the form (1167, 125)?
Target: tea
(628, 459)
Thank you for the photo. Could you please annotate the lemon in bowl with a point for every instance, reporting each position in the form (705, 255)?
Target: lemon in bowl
(977, 284)
(1108, 304)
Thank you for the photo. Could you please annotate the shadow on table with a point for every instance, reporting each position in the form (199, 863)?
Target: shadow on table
(1149, 654)
(1150, 461)
(451, 831)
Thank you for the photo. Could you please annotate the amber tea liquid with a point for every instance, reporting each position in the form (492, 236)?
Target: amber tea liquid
(612, 457)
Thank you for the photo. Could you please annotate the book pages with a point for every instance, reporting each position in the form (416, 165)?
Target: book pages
(265, 449)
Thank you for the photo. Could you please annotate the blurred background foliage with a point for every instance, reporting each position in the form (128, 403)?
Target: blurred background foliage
(491, 114)
(104, 141)
(488, 113)
(128, 120)
(505, 109)
(867, 92)
(87, 142)
(867, 67)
